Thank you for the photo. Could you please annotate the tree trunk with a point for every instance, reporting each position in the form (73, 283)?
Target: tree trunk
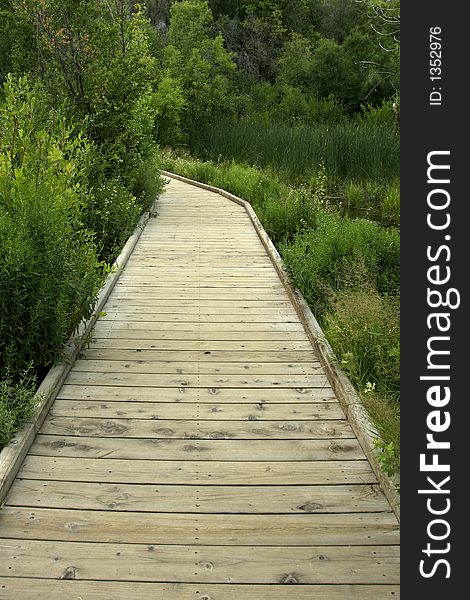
(159, 13)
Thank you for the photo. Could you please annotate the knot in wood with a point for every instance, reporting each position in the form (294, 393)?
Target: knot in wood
(291, 578)
(69, 573)
(289, 426)
(310, 507)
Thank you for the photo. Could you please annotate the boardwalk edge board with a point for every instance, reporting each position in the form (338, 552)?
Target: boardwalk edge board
(12, 455)
(357, 415)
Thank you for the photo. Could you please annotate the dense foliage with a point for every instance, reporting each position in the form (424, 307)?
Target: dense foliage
(78, 164)
(292, 104)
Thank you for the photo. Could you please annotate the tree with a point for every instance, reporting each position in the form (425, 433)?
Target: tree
(296, 62)
(94, 57)
(159, 13)
(336, 18)
(384, 20)
(199, 63)
(333, 73)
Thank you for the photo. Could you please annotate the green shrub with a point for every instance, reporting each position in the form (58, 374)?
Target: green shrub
(382, 115)
(48, 278)
(326, 110)
(363, 329)
(294, 106)
(284, 218)
(149, 183)
(17, 403)
(323, 261)
(111, 213)
(49, 272)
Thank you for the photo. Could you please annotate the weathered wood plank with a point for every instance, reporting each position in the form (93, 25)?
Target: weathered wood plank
(194, 529)
(238, 293)
(95, 352)
(260, 396)
(178, 317)
(27, 589)
(203, 472)
(285, 327)
(202, 243)
(196, 429)
(207, 306)
(210, 450)
(227, 284)
(258, 265)
(199, 381)
(141, 267)
(136, 301)
(197, 278)
(140, 365)
(230, 258)
(215, 564)
(197, 411)
(198, 334)
(240, 499)
(206, 346)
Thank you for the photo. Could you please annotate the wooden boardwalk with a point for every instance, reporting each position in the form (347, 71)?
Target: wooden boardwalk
(196, 450)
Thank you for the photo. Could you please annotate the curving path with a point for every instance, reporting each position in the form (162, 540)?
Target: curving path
(196, 450)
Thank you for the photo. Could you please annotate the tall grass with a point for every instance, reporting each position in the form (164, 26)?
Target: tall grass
(350, 151)
(343, 254)
(363, 329)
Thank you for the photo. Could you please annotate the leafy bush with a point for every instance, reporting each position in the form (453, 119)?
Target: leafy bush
(16, 404)
(49, 272)
(111, 214)
(295, 214)
(323, 261)
(382, 115)
(363, 329)
(149, 183)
